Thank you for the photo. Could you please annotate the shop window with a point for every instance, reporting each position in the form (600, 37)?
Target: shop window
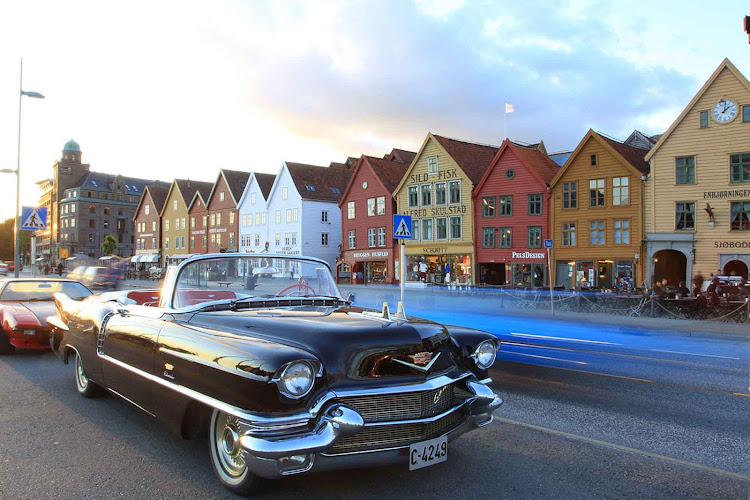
(569, 234)
(440, 194)
(685, 215)
(350, 210)
(488, 206)
(371, 237)
(622, 232)
(535, 204)
(488, 237)
(381, 236)
(685, 170)
(534, 237)
(426, 194)
(740, 216)
(371, 206)
(456, 228)
(381, 205)
(620, 191)
(740, 167)
(454, 188)
(505, 205)
(352, 239)
(596, 193)
(570, 195)
(426, 229)
(505, 237)
(413, 196)
(596, 232)
(441, 228)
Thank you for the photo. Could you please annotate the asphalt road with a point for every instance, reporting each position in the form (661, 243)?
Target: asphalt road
(560, 434)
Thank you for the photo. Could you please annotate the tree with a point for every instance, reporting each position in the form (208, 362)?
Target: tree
(7, 240)
(109, 245)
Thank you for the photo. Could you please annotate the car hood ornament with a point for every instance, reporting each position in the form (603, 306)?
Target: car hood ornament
(421, 361)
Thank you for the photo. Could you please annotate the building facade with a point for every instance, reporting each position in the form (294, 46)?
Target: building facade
(511, 217)
(436, 192)
(698, 193)
(253, 212)
(198, 214)
(148, 225)
(597, 220)
(175, 223)
(223, 224)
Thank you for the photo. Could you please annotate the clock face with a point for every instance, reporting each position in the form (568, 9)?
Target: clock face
(724, 111)
(364, 185)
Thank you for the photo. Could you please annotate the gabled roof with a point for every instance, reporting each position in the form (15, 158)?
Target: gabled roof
(400, 155)
(726, 63)
(265, 183)
(474, 159)
(629, 156)
(533, 157)
(388, 173)
(319, 183)
(235, 180)
(188, 188)
(158, 196)
(640, 140)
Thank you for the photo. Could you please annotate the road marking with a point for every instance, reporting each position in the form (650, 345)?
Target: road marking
(741, 394)
(523, 344)
(626, 449)
(695, 354)
(548, 357)
(528, 335)
(606, 375)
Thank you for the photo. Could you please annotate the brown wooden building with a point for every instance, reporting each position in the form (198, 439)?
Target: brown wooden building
(223, 223)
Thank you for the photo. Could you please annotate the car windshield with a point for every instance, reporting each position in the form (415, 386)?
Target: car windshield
(246, 276)
(42, 290)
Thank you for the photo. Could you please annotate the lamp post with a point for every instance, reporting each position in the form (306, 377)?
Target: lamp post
(35, 95)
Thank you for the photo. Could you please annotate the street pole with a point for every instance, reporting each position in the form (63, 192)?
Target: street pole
(403, 270)
(549, 276)
(17, 226)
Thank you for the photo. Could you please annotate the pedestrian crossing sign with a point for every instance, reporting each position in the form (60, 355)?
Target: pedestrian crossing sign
(33, 218)
(402, 227)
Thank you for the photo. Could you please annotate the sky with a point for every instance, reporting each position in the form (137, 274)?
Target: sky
(161, 89)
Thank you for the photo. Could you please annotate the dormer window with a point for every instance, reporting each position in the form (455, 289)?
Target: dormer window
(94, 183)
(310, 188)
(336, 190)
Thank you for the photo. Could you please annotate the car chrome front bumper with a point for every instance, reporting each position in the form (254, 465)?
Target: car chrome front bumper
(313, 449)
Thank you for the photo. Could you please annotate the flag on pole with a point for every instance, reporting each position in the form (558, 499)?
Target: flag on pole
(509, 108)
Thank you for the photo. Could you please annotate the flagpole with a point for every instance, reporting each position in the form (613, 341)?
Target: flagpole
(505, 125)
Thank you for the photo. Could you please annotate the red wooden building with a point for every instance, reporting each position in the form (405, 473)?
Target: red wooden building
(223, 223)
(511, 216)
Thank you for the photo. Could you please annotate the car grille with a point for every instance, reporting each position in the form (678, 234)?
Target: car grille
(402, 406)
(389, 436)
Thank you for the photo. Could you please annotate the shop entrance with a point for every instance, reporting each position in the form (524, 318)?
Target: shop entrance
(736, 268)
(529, 275)
(375, 272)
(670, 265)
(564, 274)
(492, 274)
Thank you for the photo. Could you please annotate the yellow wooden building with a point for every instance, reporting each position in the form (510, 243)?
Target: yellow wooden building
(697, 199)
(174, 220)
(596, 221)
(436, 193)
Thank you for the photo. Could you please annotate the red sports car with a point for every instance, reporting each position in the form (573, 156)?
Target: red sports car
(24, 306)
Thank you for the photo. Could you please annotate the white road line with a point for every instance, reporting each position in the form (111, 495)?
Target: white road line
(547, 357)
(528, 335)
(618, 447)
(695, 354)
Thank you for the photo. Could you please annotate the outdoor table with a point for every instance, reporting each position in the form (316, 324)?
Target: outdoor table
(226, 283)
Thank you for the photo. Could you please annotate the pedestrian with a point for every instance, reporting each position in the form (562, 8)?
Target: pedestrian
(423, 271)
(697, 283)
(60, 268)
(46, 268)
(682, 290)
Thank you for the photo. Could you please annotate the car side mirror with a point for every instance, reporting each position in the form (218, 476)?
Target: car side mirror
(351, 297)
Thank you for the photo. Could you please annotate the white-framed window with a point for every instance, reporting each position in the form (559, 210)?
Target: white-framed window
(413, 195)
(432, 165)
(622, 232)
(174, 205)
(324, 216)
(352, 239)
(147, 209)
(257, 239)
(441, 228)
(569, 234)
(166, 243)
(381, 205)
(295, 215)
(370, 207)
(278, 239)
(257, 219)
(278, 216)
(596, 232)
(262, 218)
(218, 219)
(425, 195)
(620, 191)
(426, 229)
(416, 224)
(253, 198)
(294, 238)
(287, 239)
(371, 237)
(231, 219)
(455, 228)
(381, 236)
(441, 197)
(221, 196)
(284, 193)
(454, 190)
(350, 210)
(166, 225)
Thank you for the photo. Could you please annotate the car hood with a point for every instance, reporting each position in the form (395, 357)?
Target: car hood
(30, 314)
(353, 344)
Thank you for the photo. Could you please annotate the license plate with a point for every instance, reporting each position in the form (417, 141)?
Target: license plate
(428, 453)
(29, 332)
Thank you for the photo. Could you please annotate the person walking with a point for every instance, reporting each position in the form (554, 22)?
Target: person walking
(60, 268)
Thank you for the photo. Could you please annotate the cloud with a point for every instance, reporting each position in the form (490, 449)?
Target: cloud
(439, 9)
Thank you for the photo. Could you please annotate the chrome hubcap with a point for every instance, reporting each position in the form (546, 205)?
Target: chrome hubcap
(227, 442)
(83, 380)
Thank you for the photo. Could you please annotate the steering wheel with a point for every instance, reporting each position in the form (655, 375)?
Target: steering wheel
(302, 288)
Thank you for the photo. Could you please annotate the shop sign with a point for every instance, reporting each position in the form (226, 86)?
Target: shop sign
(529, 255)
(145, 235)
(733, 193)
(218, 230)
(435, 250)
(289, 251)
(365, 255)
(731, 244)
(198, 231)
(450, 173)
(436, 211)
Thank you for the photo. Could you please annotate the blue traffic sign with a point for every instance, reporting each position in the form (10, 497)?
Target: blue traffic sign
(547, 243)
(33, 218)
(402, 227)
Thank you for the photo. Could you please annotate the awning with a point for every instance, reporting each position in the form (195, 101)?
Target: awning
(71, 258)
(40, 259)
(107, 257)
(145, 257)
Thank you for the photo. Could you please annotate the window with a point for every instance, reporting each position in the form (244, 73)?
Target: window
(596, 193)
(416, 224)
(746, 114)
(505, 235)
(106, 210)
(92, 210)
(277, 239)
(510, 174)
(73, 222)
(620, 191)
(381, 236)
(535, 204)
(740, 167)
(262, 218)
(569, 234)
(505, 205)
(370, 207)
(218, 219)
(205, 241)
(277, 218)
(192, 222)
(92, 223)
(287, 239)
(221, 197)
(488, 237)
(622, 232)
(381, 205)
(371, 237)
(441, 228)
(192, 242)
(594, 160)
(596, 232)
(685, 215)
(213, 221)
(295, 215)
(205, 221)
(352, 239)
(426, 192)
(570, 195)
(231, 240)
(284, 193)
(324, 239)
(704, 119)
(350, 210)
(455, 228)
(72, 209)
(257, 239)
(440, 194)
(454, 188)
(177, 224)
(534, 237)
(488, 206)
(413, 196)
(294, 238)
(324, 216)
(166, 224)
(174, 205)
(740, 216)
(432, 165)
(253, 198)
(288, 215)
(426, 229)
(231, 219)
(166, 243)
(685, 170)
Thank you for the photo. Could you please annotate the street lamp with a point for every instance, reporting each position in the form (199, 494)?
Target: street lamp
(35, 95)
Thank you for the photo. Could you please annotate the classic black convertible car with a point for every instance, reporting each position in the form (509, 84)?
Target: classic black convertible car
(282, 373)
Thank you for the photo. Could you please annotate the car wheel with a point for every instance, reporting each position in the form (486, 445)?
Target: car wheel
(5, 346)
(85, 386)
(228, 457)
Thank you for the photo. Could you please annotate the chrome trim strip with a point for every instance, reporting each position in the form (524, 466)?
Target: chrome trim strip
(429, 384)
(425, 420)
(425, 368)
(196, 359)
(130, 401)
(486, 381)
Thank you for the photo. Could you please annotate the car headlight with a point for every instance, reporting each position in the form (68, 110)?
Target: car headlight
(485, 353)
(297, 379)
